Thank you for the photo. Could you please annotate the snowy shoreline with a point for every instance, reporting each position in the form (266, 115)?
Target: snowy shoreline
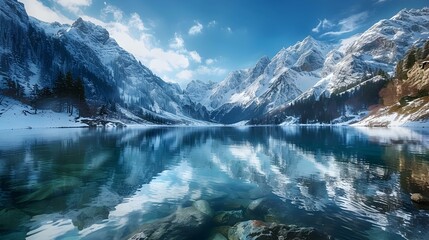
(15, 115)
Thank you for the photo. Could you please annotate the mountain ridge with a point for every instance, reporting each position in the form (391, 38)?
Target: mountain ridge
(332, 69)
(112, 76)
(307, 71)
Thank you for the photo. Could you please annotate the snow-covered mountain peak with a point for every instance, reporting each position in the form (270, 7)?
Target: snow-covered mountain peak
(14, 11)
(260, 66)
(38, 51)
(411, 14)
(306, 55)
(380, 47)
(89, 30)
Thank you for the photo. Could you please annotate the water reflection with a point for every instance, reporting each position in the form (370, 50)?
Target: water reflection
(94, 184)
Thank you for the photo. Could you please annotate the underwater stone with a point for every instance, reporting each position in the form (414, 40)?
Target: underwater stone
(258, 230)
(185, 223)
(204, 207)
(228, 217)
(419, 198)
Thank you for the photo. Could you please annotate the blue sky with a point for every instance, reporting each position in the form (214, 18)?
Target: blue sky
(196, 39)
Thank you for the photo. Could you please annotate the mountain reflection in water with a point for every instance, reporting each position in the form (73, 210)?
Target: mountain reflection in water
(92, 184)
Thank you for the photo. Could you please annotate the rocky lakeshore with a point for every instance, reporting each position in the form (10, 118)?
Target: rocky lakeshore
(252, 219)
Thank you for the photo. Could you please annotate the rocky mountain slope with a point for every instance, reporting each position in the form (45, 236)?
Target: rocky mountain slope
(358, 62)
(337, 81)
(405, 99)
(248, 93)
(33, 52)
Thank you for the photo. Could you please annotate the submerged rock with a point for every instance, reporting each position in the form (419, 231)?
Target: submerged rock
(258, 230)
(90, 215)
(49, 189)
(223, 230)
(228, 217)
(10, 218)
(185, 223)
(267, 209)
(231, 204)
(419, 198)
(217, 236)
(204, 207)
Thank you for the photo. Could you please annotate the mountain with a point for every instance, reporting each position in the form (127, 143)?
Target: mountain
(380, 47)
(33, 52)
(248, 93)
(309, 82)
(353, 66)
(405, 99)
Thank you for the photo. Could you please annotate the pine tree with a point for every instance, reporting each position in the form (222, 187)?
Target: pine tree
(69, 92)
(411, 59)
(425, 52)
(79, 96)
(399, 72)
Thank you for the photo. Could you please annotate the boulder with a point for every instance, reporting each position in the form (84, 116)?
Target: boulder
(185, 223)
(419, 198)
(217, 236)
(266, 209)
(228, 217)
(231, 204)
(204, 207)
(90, 215)
(258, 230)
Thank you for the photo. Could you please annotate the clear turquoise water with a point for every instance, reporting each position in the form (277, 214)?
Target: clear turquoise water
(104, 184)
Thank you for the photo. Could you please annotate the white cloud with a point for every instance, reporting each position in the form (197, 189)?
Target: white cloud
(36, 9)
(185, 75)
(196, 29)
(195, 56)
(114, 11)
(346, 25)
(167, 61)
(228, 29)
(177, 42)
(74, 5)
(136, 22)
(381, 1)
(212, 23)
(175, 63)
(208, 70)
(323, 25)
(209, 61)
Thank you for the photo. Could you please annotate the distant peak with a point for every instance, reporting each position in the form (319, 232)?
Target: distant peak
(404, 13)
(78, 22)
(309, 38)
(89, 28)
(263, 60)
(81, 25)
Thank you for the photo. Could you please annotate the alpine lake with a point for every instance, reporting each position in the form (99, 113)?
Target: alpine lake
(203, 182)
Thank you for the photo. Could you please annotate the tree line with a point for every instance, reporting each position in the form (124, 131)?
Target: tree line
(325, 109)
(66, 95)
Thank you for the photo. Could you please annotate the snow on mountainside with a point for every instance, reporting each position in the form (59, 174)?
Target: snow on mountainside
(38, 51)
(380, 47)
(198, 90)
(356, 62)
(247, 93)
(404, 99)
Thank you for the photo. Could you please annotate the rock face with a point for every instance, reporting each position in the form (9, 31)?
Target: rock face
(418, 198)
(37, 51)
(228, 217)
(258, 230)
(248, 93)
(405, 101)
(185, 223)
(203, 206)
(90, 215)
